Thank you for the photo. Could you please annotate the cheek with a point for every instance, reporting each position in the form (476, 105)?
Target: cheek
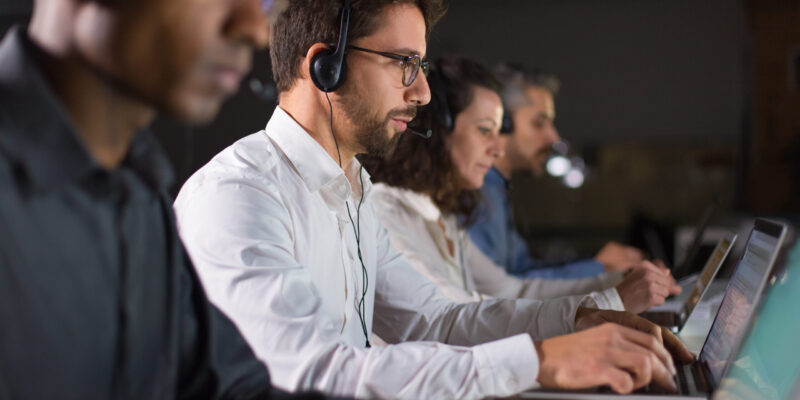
(465, 154)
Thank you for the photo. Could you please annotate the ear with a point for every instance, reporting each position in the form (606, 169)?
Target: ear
(315, 49)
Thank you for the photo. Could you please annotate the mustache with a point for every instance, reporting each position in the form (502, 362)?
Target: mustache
(410, 112)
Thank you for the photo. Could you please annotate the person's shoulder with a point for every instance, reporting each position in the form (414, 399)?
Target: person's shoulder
(252, 157)
(251, 161)
(386, 198)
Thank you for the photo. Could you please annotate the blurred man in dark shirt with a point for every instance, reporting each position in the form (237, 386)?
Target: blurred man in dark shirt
(98, 299)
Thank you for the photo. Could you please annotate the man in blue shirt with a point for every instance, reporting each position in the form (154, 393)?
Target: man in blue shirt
(528, 100)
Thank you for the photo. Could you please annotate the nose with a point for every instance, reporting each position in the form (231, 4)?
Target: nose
(553, 133)
(495, 148)
(248, 23)
(419, 93)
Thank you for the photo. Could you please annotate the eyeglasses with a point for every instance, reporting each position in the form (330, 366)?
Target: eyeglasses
(410, 64)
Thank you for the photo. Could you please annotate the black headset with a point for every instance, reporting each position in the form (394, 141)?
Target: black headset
(440, 91)
(327, 68)
(507, 124)
(328, 72)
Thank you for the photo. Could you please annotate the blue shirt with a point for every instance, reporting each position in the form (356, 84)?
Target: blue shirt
(494, 233)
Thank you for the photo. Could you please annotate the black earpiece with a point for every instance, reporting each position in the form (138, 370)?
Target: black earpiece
(440, 91)
(328, 69)
(507, 126)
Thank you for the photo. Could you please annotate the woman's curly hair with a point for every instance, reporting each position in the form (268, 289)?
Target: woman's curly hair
(424, 165)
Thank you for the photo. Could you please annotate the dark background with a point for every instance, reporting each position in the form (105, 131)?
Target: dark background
(671, 102)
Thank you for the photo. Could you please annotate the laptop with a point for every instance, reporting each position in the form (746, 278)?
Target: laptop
(767, 365)
(700, 379)
(688, 266)
(676, 319)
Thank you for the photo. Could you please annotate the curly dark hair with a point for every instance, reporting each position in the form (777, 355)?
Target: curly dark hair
(302, 23)
(424, 165)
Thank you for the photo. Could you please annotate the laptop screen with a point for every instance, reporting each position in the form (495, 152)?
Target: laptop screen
(712, 266)
(768, 366)
(740, 299)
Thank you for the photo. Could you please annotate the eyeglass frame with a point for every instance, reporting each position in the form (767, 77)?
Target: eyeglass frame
(406, 60)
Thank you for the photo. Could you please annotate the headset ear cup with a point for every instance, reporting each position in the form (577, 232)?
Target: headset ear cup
(507, 125)
(326, 72)
(447, 119)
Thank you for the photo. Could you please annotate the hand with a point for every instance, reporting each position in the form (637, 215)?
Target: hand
(587, 318)
(617, 257)
(646, 286)
(610, 354)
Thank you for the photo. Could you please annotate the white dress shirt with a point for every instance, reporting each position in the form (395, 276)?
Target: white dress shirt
(266, 224)
(418, 229)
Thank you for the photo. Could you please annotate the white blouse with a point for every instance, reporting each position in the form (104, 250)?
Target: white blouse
(415, 227)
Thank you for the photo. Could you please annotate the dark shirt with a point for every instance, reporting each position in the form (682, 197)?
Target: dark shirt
(98, 299)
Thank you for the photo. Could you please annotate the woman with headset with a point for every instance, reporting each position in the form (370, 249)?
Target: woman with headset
(428, 189)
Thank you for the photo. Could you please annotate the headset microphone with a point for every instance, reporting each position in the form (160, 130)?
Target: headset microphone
(426, 135)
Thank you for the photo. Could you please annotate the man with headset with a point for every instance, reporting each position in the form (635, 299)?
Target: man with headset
(529, 113)
(97, 297)
(286, 242)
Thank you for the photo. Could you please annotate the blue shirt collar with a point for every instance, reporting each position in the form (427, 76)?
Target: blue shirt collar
(495, 178)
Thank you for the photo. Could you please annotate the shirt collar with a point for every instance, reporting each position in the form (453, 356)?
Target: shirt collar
(42, 138)
(315, 166)
(495, 178)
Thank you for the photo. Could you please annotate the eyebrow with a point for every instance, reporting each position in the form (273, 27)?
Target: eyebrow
(492, 121)
(407, 51)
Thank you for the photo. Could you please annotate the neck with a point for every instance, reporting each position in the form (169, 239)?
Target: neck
(304, 106)
(503, 165)
(104, 117)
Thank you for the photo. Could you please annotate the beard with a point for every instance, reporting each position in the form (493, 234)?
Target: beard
(371, 132)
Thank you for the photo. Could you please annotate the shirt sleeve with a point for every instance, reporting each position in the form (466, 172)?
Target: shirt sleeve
(239, 235)
(493, 280)
(215, 361)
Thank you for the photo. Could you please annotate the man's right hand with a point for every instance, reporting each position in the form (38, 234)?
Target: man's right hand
(623, 358)
(645, 286)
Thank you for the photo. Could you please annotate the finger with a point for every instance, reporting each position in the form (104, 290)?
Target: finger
(634, 360)
(676, 347)
(662, 374)
(660, 264)
(644, 365)
(650, 266)
(659, 289)
(644, 335)
(619, 380)
(635, 254)
(675, 289)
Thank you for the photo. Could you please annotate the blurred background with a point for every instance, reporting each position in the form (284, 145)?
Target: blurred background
(671, 105)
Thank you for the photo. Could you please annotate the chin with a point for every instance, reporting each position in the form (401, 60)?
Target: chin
(475, 184)
(197, 111)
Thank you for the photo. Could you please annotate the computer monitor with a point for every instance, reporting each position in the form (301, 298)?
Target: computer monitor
(742, 295)
(767, 366)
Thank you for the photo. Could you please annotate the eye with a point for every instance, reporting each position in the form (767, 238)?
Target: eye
(539, 124)
(484, 131)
